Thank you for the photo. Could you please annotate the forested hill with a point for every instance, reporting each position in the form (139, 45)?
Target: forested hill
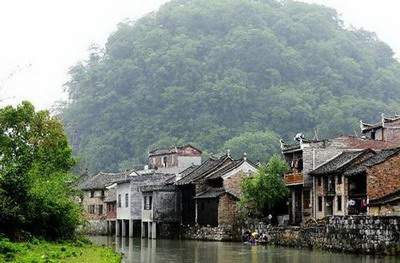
(221, 74)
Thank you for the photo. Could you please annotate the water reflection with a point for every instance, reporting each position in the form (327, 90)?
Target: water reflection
(160, 251)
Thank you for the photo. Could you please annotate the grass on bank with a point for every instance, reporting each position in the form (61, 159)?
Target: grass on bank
(46, 252)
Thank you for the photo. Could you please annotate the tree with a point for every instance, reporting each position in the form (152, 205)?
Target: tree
(208, 71)
(265, 190)
(258, 145)
(36, 193)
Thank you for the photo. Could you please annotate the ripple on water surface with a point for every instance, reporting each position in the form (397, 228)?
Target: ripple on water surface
(165, 251)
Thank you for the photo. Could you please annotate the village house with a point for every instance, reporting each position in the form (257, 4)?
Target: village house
(358, 183)
(215, 187)
(94, 201)
(306, 155)
(388, 129)
(175, 159)
(160, 208)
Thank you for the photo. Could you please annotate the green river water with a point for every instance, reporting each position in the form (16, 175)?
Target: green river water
(165, 251)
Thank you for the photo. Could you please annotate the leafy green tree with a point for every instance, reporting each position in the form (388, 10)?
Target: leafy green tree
(258, 145)
(36, 193)
(207, 71)
(265, 190)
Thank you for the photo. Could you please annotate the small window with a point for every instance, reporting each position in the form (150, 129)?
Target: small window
(91, 194)
(339, 179)
(319, 179)
(102, 193)
(100, 209)
(91, 209)
(339, 202)
(373, 135)
(119, 200)
(165, 160)
(148, 202)
(126, 200)
(320, 203)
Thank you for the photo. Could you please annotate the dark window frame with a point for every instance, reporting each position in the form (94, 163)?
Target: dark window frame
(126, 200)
(320, 205)
(339, 203)
(119, 200)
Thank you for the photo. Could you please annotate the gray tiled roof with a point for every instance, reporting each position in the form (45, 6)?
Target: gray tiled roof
(202, 170)
(225, 169)
(339, 163)
(214, 193)
(101, 180)
(375, 159)
(387, 199)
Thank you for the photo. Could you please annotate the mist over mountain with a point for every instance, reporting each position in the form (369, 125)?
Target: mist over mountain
(226, 74)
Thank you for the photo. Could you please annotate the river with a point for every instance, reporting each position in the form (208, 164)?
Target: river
(164, 251)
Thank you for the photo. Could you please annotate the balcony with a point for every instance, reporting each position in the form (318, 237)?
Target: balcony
(294, 178)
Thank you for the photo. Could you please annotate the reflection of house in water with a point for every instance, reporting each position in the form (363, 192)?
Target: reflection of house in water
(215, 188)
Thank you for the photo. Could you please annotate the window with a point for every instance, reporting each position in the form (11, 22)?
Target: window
(91, 194)
(126, 200)
(320, 203)
(119, 200)
(339, 179)
(100, 207)
(148, 202)
(102, 193)
(373, 135)
(165, 159)
(91, 209)
(319, 179)
(339, 202)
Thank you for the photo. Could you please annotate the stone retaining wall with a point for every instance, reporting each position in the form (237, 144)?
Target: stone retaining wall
(355, 234)
(207, 233)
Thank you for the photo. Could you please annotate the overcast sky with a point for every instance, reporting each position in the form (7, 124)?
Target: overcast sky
(41, 39)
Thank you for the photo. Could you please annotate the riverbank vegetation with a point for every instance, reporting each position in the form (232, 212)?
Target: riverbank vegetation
(37, 196)
(217, 72)
(48, 252)
(264, 193)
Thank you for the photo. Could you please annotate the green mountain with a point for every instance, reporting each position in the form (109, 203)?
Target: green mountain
(222, 74)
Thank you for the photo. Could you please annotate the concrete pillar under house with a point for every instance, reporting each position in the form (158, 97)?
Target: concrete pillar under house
(131, 228)
(154, 230)
(123, 227)
(117, 227)
(143, 230)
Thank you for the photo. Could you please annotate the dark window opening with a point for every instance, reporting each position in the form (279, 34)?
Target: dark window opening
(119, 200)
(91, 209)
(320, 203)
(91, 194)
(373, 135)
(339, 203)
(126, 200)
(165, 159)
(102, 193)
(100, 209)
(339, 179)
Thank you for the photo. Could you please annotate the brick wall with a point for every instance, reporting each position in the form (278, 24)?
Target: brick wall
(227, 210)
(233, 183)
(384, 178)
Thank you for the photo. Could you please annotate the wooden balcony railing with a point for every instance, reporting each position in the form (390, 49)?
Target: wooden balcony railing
(294, 178)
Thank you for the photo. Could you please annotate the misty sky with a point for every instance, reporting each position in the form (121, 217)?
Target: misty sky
(41, 39)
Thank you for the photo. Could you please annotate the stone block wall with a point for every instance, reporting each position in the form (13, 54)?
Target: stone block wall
(207, 233)
(355, 234)
(227, 210)
(383, 179)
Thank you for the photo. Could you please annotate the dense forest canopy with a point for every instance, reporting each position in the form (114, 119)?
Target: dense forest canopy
(226, 73)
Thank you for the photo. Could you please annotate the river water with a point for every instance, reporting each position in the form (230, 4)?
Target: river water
(165, 251)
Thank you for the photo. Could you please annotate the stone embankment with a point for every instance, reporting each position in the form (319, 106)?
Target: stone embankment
(353, 234)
